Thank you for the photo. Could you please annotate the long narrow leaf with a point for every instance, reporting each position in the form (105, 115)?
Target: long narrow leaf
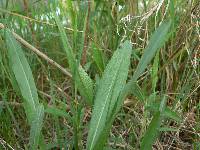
(112, 82)
(157, 40)
(155, 71)
(98, 58)
(36, 127)
(81, 78)
(23, 75)
(25, 81)
(66, 44)
(153, 129)
(57, 112)
(151, 132)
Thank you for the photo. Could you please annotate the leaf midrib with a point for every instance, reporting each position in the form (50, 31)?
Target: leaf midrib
(110, 88)
(29, 89)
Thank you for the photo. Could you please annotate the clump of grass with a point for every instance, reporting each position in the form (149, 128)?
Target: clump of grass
(110, 74)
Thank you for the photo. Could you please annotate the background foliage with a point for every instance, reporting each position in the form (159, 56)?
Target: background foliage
(131, 74)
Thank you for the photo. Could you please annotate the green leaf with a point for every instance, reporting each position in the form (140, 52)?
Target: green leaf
(168, 113)
(153, 129)
(137, 92)
(58, 112)
(23, 75)
(24, 78)
(36, 127)
(98, 58)
(81, 78)
(157, 40)
(66, 44)
(73, 19)
(167, 129)
(151, 132)
(85, 85)
(155, 71)
(109, 88)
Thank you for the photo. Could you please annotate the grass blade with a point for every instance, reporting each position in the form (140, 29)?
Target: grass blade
(155, 71)
(66, 44)
(153, 129)
(58, 112)
(36, 127)
(151, 132)
(108, 90)
(157, 40)
(98, 58)
(81, 78)
(168, 113)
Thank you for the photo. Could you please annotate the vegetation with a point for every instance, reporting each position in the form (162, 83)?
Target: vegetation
(110, 74)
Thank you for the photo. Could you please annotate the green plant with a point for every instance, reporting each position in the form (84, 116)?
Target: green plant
(99, 74)
(26, 84)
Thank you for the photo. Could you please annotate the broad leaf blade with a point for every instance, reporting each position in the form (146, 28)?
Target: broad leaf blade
(23, 75)
(110, 86)
(24, 78)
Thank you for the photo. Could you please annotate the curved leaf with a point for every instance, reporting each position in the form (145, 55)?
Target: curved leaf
(24, 78)
(23, 75)
(157, 40)
(109, 88)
